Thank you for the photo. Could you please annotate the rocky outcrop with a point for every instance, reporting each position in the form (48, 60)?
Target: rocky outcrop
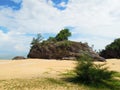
(18, 58)
(62, 50)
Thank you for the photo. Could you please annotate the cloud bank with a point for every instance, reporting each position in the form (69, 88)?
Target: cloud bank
(94, 21)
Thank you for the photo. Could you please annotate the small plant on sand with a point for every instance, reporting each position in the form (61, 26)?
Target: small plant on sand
(89, 73)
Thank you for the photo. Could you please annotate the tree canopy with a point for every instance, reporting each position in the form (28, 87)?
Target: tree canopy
(63, 35)
(112, 50)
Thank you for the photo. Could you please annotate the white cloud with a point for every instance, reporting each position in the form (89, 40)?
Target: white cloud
(99, 18)
(14, 43)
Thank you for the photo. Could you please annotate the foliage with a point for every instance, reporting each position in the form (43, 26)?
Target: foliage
(90, 73)
(112, 50)
(38, 84)
(114, 45)
(64, 44)
(63, 35)
(37, 40)
(51, 39)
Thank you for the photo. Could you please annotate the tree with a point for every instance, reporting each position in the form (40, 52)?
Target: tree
(63, 35)
(37, 40)
(112, 50)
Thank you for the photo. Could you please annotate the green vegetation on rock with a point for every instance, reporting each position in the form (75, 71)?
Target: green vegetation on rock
(63, 35)
(59, 47)
(37, 40)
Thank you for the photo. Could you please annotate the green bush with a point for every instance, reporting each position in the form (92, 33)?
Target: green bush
(112, 50)
(37, 40)
(63, 35)
(51, 39)
(89, 73)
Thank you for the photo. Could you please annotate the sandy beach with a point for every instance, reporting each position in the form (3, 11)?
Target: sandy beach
(10, 69)
(28, 68)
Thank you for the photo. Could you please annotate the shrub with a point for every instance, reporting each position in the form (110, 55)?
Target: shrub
(51, 39)
(63, 35)
(37, 40)
(89, 73)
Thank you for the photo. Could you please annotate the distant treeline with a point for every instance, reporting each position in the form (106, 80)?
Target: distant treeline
(112, 50)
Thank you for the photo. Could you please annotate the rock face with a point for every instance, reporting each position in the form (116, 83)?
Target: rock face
(62, 50)
(18, 58)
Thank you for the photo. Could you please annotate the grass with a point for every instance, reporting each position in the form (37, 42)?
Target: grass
(66, 82)
(117, 75)
(112, 84)
(39, 84)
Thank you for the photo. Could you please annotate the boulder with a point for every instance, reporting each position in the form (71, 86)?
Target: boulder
(18, 58)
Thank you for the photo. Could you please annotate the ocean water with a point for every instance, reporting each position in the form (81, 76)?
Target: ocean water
(10, 57)
(5, 58)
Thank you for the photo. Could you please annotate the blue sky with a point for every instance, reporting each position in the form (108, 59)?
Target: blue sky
(60, 4)
(11, 3)
(94, 21)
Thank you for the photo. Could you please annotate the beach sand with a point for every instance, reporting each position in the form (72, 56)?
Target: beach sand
(10, 69)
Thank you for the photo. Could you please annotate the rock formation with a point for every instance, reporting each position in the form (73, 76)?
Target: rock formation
(62, 50)
(18, 58)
